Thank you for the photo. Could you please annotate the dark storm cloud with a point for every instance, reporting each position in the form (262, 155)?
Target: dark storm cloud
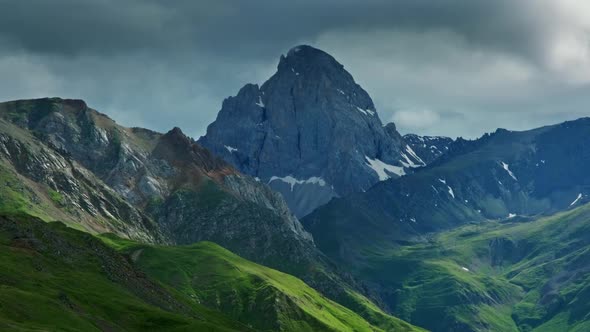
(74, 27)
(455, 67)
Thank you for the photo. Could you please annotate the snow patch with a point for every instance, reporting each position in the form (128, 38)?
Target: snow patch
(365, 111)
(464, 268)
(408, 163)
(260, 103)
(577, 199)
(380, 168)
(293, 181)
(341, 92)
(449, 189)
(230, 149)
(414, 155)
(507, 169)
(511, 215)
(451, 192)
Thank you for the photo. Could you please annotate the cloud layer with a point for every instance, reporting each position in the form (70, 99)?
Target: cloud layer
(454, 67)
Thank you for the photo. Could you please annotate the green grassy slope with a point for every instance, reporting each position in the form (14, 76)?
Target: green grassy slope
(260, 297)
(53, 277)
(56, 278)
(494, 276)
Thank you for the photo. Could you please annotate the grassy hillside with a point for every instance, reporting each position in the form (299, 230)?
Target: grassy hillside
(55, 278)
(260, 297)
(515, 275)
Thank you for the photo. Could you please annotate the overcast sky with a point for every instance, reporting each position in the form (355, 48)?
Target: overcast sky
(444, 67)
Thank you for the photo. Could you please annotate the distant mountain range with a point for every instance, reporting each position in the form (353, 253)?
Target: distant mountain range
(169, 233)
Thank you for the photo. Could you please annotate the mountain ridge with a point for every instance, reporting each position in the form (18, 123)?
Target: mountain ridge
(511, 176)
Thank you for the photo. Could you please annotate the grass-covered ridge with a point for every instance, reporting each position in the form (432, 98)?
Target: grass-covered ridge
(495, 276)
(54, 278)
(263, 298)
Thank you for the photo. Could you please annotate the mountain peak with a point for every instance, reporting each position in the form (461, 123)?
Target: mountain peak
(306, 59)
(310, 132)
(308, 52)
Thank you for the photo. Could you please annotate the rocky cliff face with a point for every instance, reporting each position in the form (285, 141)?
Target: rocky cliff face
(143, 169)
(310, 132)
(44, 181)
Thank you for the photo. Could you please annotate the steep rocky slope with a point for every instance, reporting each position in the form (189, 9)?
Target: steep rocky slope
(46, 140)
(40, 180)
(502, 175)
(310, 132)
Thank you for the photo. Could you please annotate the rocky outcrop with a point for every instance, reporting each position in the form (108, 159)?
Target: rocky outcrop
(65, 190)
(428, 148)
(310, 132)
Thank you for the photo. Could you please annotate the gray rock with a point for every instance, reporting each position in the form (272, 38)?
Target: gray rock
(310, 132)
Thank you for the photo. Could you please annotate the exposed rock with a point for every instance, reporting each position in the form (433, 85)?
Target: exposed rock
(309, 132)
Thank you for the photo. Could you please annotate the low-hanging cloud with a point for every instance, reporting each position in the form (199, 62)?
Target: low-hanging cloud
(462, 67)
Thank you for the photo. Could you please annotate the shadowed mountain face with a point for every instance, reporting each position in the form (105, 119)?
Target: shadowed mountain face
(502, 175)
(310, 132)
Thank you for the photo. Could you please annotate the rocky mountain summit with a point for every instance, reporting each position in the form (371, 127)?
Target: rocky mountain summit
(310, 132)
